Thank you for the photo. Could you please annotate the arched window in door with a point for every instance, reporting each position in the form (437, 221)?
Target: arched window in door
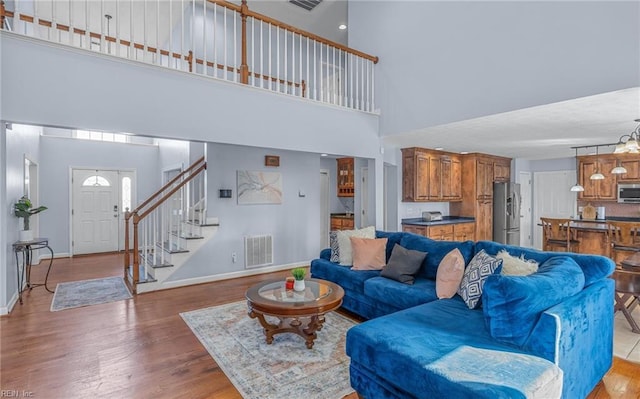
(96, 181)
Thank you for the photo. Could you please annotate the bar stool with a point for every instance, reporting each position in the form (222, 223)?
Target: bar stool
(557, 233)
(627, 288)
(624, 239)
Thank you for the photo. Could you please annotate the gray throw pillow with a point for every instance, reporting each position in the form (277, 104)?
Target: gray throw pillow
(403, 264)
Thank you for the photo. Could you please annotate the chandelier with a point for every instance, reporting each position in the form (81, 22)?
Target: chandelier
(629, 143)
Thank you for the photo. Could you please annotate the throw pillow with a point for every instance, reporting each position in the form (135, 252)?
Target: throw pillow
(335, 248)
(513, 266)
(449, 275)
(403, 264)
(512, 304)
(344, 243)
(368, 253)
(481, 266)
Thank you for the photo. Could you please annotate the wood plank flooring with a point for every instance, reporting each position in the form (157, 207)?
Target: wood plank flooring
(141, 348)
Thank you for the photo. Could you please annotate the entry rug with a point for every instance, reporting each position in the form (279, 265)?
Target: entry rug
(283, 370)
(89, 292)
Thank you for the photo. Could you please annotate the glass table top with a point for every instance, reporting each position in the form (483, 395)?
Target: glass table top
(313, 291)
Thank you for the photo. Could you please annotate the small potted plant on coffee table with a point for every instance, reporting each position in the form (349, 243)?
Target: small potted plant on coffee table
(298, 274)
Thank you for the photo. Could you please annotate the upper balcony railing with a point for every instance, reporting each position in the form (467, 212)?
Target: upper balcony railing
(213, 38)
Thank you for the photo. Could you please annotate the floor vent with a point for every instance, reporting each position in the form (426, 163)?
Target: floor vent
(306, 4)
(258, 251)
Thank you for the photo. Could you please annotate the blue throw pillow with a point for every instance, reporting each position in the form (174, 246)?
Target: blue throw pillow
(513, 304)
(481, 266)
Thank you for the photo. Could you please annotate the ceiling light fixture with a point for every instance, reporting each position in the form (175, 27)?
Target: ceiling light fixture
(577, 187)
(629, 143)
(597, 175)
(342, 26)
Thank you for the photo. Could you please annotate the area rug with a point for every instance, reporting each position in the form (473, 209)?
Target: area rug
(89, 292)
(284, 369)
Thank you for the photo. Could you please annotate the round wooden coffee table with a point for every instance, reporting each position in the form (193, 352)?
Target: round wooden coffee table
(300, 313)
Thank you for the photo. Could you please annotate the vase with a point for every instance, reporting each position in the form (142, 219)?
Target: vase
(26, 235)
(298, 285)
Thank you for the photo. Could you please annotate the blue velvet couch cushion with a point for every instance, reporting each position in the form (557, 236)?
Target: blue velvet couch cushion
(512, 304)
(349, 280)
(397, 347)
(393, 238)
(436, 251)
(398, 295)
(594, 267)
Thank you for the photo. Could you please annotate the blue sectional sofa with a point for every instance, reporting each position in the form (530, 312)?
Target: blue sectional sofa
(530, 332)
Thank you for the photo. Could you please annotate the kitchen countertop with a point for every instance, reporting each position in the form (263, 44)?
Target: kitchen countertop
(342, 215)
(598, 224)
(445, 220)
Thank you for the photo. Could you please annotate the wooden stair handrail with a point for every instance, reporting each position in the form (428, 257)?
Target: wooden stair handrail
(168, 184)
(171, 192)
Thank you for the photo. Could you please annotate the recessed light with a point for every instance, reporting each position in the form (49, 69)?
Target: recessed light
(439, 148)
(324, 155)
(342, 26)
(464, 152)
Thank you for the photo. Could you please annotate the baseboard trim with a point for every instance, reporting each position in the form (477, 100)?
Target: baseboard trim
(55, 256)
(5, 310)
(228, 276)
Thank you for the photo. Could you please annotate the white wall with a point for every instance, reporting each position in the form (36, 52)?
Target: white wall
(294, 224)
(156, 105)
(59, 155)
(172, 154)
(20, 141)
(446, 61)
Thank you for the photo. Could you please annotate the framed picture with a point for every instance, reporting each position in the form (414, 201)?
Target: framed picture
(271, 160)
(255, 187)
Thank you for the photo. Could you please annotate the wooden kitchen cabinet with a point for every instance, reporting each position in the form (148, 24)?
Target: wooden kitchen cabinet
(464, 231)
(419, 230)
(633, 170)
(346, 187)
(341, 223)
(603, 190)
(443, 232)
(430, 175)
(479, 173)
(501, 171)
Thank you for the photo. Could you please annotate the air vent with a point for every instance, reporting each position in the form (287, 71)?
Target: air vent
(306, 4)
(258, 251)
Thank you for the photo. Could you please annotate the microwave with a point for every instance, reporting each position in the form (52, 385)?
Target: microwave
(629, 193)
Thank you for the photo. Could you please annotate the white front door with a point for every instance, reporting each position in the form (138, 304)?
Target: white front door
(95, 211)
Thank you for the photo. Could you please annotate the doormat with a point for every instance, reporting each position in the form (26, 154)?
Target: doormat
(89, 292)
(284, 369)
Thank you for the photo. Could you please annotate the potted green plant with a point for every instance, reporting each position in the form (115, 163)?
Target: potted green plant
(24, 209)
(298, 274)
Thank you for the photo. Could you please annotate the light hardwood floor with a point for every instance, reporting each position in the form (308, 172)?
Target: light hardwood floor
(141, 348)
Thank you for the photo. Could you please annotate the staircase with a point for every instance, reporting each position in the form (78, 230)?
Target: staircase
(166, 229)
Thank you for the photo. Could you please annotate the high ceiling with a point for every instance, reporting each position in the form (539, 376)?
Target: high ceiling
(542, 132)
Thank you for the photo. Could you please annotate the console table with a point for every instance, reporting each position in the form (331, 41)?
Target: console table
(24, 250)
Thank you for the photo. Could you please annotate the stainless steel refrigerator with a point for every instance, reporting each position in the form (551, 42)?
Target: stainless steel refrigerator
(506, 213)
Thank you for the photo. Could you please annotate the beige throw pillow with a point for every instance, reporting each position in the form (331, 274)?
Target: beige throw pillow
(344, 242)
(513, 266)
(368, 253)
(449, 275)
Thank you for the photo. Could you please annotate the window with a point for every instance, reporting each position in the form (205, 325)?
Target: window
(96, 181)
(101, 136)
(126, 194)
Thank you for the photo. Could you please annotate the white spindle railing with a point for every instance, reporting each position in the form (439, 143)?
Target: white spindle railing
(206, 37)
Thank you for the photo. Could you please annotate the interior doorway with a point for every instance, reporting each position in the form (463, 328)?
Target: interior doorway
(552, 198)
(364, 197)
(98, 202)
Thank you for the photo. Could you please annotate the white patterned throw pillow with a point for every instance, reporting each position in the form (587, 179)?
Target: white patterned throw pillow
(344, 242)
(335, 248)
(481, 266)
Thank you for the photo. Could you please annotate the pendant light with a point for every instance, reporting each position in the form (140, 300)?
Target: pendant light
(619, 169)
(597, 175)
(577, 187)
